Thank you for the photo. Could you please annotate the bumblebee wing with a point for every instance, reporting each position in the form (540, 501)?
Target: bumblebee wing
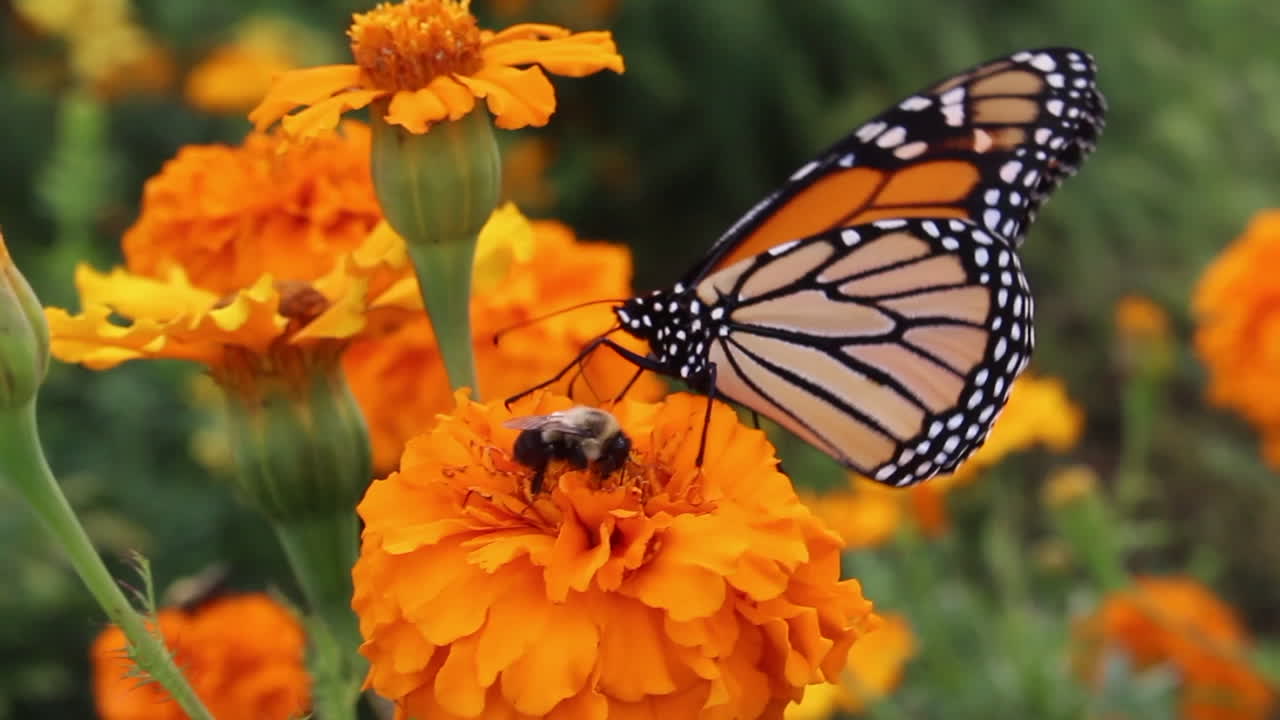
(554, 421)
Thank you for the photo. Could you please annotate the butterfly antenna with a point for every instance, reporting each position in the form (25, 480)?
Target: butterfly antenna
(497, 337)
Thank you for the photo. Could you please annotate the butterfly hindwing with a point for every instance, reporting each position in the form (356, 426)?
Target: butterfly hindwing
(891, 345)
(987, 145)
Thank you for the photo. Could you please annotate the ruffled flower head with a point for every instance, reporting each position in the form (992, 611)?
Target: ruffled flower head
(664, 590)
(243, 258)
(242, 654)
(1237, 304)
(427, 61)
(1179, 621)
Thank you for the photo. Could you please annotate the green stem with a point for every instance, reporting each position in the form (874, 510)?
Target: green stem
(22, 464)
(444, 277)
(322, 549)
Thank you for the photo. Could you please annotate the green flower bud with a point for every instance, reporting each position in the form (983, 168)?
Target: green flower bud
(300, 443)
(437, 189)
(24, 337)
(439, 186)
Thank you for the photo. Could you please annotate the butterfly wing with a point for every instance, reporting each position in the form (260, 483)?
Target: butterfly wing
(987, 145)
(891, 345)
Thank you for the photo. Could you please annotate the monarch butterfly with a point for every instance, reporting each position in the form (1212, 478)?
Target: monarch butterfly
(875, 305)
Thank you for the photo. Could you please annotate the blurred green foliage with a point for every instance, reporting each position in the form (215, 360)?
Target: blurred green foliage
(720, 101)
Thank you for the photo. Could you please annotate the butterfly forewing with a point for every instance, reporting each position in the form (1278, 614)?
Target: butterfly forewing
(891, 346)
(986, 145)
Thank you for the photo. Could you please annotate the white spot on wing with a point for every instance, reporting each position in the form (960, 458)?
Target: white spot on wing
(804, 170)
(915, 102)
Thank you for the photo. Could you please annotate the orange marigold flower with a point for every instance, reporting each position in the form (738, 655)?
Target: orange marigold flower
(236, 76)
(427, 61)
(1237, 303)
(874, 670)
(227, 215)
(242, 654)
(1179, 621)
(1039, 412)
(523, 270)
(666, 590)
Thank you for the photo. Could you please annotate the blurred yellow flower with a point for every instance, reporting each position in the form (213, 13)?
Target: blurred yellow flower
(874, 670)
(1179, 621)
(227, 215)
(664, 591)
(1237, 304)
(242, 654)
(109, 52)
(1039, 412)
(523, 270)
(236, 75)
(427, 61)
(1069, 484)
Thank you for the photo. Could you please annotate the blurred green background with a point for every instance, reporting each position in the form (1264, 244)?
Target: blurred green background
(720, 101)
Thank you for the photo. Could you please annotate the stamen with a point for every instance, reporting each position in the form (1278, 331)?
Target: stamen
(404, 46)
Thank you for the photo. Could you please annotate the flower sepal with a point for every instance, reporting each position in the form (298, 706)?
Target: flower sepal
(300, 442)
(24, 337)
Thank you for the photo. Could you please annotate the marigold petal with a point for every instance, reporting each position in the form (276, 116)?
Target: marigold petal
(633, 662)
(323, 116)
(516, 620)
(525, 31)
(303, 87)
(576, 557)
(556, 666)
(444, 98)
(586, 705)
(457, 685)
(577, 55)
(517, 98)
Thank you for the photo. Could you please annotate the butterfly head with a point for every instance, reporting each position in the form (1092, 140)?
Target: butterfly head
(674, 324)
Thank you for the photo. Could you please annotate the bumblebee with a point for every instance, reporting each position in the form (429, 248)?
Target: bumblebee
(581, 435)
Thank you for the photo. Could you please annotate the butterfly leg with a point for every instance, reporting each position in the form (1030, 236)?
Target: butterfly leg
(706, 416)
(755, 419)
(626, 388)
(586, 350)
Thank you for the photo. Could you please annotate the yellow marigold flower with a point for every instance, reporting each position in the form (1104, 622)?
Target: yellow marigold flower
(874, 670)
(1068, 485)
(234, 77)
(429, 61)
(1179, 621)
(228, 215)
(172, 318)
(523, 270)
(1237, 303)
(243, 655)
(665, 591)
(109, 52)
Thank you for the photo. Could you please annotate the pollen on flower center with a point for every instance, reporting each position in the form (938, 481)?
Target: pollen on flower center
(403, 46)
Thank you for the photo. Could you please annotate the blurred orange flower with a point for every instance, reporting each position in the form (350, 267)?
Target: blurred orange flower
(523, 270)
(874, 670)
(236, 75)
(1179, 621)
(1237, 304)
(665, 590)
(1139, 317)
(242, 654)
(229, 214)
(1039, 412)
(428, 61)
